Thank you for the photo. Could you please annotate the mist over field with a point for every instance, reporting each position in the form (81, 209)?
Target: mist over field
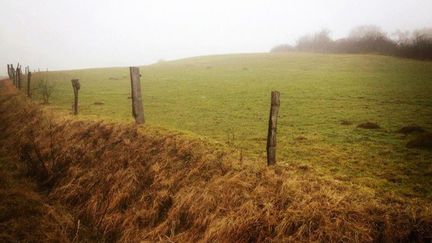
(81, 34)
(216, 121)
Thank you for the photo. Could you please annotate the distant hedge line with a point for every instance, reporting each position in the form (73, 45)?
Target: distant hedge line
(367, 39)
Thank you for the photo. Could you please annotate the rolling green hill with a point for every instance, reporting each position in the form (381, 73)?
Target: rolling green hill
(226, 98)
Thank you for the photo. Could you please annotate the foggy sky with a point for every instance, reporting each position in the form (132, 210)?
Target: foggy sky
(60, 34)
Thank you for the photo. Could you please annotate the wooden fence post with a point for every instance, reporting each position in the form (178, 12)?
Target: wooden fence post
(12, 70)
(8, 70)
(137, 106)
(18, 77)
(271, 136)
(76, 86)
(28, 83)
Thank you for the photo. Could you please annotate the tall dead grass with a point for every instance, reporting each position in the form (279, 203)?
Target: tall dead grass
(137, 184)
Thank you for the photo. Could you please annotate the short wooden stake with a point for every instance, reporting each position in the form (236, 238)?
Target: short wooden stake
(29, 84)
(271, 136)
(76, 87)
(137, 105)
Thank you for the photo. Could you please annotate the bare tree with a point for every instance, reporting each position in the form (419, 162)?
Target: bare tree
(370, 32)
(320, 41)
(424, 34)
(368, 39)
(402, 37)
(45, 88)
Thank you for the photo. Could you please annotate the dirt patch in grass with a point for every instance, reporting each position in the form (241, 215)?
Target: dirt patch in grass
(368, 125)
(346, 122)
(300, 138)
(98, 103)
(423, 141)
(411, 129)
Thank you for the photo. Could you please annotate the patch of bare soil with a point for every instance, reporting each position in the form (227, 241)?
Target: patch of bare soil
(346, 122)
(423, 141)
(369, 125)
(411, 129)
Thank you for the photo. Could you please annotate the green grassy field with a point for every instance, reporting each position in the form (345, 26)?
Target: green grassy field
(226, 98)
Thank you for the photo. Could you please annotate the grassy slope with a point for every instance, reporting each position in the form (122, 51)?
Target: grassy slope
(174, 188)
(226, 98)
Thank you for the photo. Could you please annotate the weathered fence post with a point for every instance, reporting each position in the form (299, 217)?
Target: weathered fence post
(137, 106)
(12, 70)
(18, 76)
(28, 84)
(8, 70)
(19, 80)
(271, 136)
(76, 86)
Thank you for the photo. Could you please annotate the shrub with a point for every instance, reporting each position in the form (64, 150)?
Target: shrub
(368, 39)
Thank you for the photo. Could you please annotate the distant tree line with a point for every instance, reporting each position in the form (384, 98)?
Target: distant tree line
(367, 39)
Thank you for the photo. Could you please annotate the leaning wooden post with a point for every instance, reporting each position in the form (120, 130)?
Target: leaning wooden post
(271, 136)
(28, 84)
(76, 86)
(137, 106)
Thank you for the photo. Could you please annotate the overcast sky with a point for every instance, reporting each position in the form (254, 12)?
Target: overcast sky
(60, 34)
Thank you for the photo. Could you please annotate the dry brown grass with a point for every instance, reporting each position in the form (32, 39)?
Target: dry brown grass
(25, 215)
(140, 183)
